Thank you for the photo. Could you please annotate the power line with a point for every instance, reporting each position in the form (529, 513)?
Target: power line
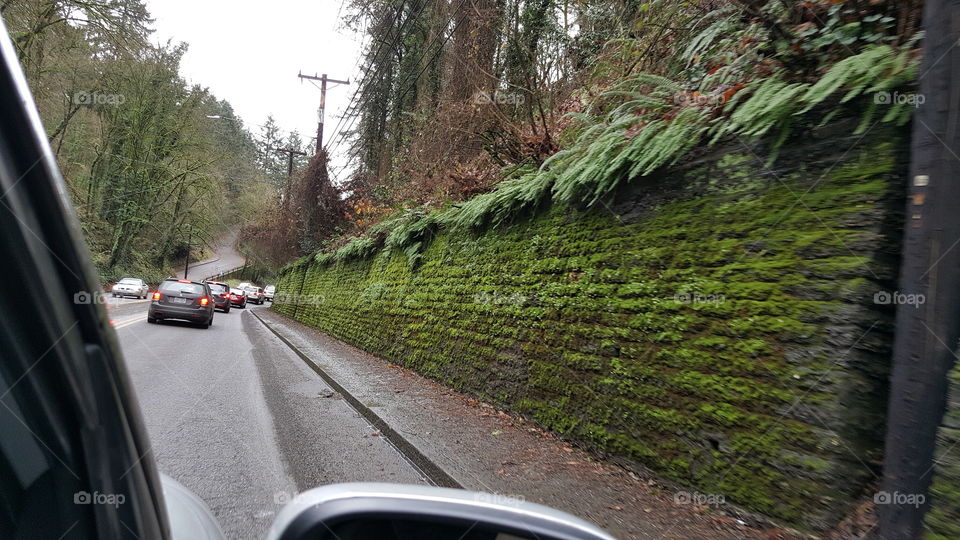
(365, 83)
(369, 67)
(417, 78)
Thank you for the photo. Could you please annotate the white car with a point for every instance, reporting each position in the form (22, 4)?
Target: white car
(130, 287)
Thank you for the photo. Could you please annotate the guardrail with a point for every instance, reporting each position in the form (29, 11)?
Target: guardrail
(221, 275)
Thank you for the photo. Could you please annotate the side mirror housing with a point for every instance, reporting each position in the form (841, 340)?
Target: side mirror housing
(394, 511)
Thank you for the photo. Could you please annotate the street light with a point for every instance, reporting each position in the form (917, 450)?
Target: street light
(218, 117)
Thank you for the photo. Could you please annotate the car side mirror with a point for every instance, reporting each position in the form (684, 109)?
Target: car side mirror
(368, 511)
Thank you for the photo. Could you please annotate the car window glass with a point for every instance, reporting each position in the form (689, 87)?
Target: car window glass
(39, 488)
(183, 288)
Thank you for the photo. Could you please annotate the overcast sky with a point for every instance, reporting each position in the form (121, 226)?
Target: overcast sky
(250, 51)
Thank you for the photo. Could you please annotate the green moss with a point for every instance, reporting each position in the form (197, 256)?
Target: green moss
(680, 340)
(943, 520)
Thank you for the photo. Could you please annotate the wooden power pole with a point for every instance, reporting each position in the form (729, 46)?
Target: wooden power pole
(926, 335)
(323, 101)
(290, 153)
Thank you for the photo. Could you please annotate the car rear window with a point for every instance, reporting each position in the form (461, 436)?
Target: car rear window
(184, 288)
(129, 281)
(219, 289)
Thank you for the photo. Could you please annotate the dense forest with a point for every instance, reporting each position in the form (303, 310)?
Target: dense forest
(470, 113)
(466, 113)
(151, 162)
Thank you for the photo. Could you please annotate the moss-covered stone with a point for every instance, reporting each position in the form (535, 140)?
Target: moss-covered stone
(943, 520)
(702, 330)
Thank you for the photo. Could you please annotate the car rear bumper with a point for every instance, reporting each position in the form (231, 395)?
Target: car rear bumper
(163, 311)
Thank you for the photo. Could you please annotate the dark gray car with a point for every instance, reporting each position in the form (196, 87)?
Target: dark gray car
(182, 299)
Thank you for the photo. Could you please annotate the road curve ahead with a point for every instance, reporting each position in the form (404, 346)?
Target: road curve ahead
(237, 418)
(226, 258)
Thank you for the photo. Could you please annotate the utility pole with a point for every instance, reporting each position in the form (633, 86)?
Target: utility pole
(926, 334)
(186, 264)
(323, 101)
(290, 153)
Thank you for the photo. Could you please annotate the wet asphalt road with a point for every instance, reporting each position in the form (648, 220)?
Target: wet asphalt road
(226, 258)
(236, 417)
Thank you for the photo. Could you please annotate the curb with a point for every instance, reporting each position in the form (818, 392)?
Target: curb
(428, 468)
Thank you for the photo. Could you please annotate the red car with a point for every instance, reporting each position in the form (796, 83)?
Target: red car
(221, 295)
(238, 297)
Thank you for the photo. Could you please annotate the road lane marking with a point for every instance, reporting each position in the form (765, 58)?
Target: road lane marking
(123, 302)
(127, 322)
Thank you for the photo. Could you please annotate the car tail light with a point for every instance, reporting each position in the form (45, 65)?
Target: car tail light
(184, 281)
(156, 296)
(204, 301)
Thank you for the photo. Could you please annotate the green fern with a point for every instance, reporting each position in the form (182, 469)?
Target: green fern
(877, 68)
(705, 40)
(633, 137)
(512, 198)
(357, 248)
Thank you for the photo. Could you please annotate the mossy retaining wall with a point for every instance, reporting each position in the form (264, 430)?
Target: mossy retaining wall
(717, 324)
(943, 519)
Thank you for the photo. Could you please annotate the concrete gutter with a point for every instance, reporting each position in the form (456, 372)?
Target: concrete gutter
(430, 469)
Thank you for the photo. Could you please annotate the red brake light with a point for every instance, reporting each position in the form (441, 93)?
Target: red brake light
(184, 281)
(156, 296)
(204, 301)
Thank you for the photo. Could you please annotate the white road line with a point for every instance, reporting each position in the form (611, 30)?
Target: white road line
(128, 322)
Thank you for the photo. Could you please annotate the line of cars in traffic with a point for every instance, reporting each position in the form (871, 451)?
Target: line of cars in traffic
(192, 301)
